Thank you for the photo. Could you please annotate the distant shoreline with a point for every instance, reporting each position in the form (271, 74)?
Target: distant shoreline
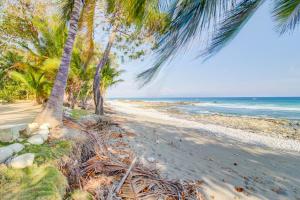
(262, 107)
(275, 133)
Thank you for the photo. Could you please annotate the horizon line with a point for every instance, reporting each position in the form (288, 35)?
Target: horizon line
(209, 97)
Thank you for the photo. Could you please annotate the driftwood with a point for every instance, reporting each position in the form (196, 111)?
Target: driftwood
(125, 176)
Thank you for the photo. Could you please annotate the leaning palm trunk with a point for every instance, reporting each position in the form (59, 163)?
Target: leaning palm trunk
(53, 111)
(98, 99)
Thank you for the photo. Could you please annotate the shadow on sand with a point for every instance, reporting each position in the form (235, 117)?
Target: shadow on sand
(226, 166)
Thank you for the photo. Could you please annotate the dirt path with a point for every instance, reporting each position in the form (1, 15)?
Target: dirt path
(230, 169)
(18, 113)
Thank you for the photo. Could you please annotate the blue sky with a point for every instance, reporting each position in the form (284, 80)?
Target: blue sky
(256, 63)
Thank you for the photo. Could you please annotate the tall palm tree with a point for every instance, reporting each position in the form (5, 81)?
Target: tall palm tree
(53, 111)
(110, 77)
(130, 13)
(217, 21)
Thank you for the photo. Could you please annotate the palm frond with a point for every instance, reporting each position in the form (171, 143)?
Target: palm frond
(189, 19)
(22, 78)
(88, 18)
(287, 15)
(235, 19)
(66, 7)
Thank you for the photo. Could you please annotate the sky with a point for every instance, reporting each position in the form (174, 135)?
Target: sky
(258, 62)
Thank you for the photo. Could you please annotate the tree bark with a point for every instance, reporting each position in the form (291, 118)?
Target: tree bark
(53, 111)
(97, 78)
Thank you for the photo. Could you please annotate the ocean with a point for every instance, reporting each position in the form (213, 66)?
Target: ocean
(269, 107)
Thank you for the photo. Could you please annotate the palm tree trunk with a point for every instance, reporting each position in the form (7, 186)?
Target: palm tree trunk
(101, 104)
(53, 111)
(97, 78)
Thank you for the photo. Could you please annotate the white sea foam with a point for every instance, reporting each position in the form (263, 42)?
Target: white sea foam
(247, 106)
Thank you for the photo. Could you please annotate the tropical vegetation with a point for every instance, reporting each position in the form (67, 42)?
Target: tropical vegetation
(49, 52)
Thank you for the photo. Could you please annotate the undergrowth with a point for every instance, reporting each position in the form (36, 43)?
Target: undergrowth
(48, 152)
(77, 113)
(41, 181)
(32, 183)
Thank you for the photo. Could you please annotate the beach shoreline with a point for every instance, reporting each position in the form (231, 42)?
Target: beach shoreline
(226, 159)
(272, 133)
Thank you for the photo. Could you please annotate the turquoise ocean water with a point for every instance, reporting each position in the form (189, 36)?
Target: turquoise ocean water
(270, 107)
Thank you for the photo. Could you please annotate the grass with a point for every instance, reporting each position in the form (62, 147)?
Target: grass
(42, 180)
(48, 152)
(3, 144)
(80, 195)
(77, 113)
(32, 183)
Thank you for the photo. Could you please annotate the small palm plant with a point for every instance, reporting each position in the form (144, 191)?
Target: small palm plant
(110, 77)
(35, 82)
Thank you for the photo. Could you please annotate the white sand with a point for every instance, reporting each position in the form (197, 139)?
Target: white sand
(225, 158)
(240, 135)
(18, 113)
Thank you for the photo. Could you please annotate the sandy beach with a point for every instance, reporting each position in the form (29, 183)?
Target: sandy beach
(18, 113)
(233, 163)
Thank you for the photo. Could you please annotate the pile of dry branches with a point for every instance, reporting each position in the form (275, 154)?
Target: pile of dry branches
(109, 170)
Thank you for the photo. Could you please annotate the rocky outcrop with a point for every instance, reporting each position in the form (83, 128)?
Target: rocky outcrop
(7, 151)
(10, 134)
(36, 139)
(22, 161)
(37, 136)
(16, 147)
(40, 136)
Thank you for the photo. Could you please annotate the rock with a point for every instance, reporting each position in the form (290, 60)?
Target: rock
(44, 134)
(151, 159)
(45, 126)
(30, 129)
(43, 131)
(16, 147)
(10, 134)
(22, 161)
(93, 119)
(5, 153)
(20, 139)
(36, 139)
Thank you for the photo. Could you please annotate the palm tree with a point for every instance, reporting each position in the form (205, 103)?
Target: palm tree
(110, 77)
(53, 111)
(131, 13)
(216, 21)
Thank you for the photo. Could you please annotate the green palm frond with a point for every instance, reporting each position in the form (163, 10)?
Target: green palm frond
(189, 19)
(234, 20)
(65, 7)
(22, 78)
(287, 14)
(110, 77)
(88, 19)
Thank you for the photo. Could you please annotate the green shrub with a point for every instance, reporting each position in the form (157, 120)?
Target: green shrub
(48, 152)
(32, 183)
(77, 113)
(80, 195)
